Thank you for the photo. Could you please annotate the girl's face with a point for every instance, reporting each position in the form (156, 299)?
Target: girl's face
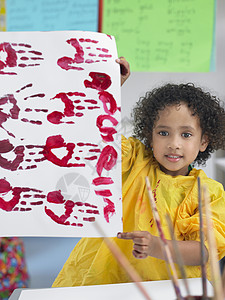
(177, 139)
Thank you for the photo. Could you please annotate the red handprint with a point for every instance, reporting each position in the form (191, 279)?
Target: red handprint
(83, 54)
(14, 198)
(60, 210)
(13, 55)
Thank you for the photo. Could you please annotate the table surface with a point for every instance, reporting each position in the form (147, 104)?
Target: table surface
(157, 290)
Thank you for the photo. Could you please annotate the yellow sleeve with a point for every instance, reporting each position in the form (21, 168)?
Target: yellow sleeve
(132, 151)
(187, 221)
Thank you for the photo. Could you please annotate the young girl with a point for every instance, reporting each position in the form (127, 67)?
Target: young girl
(175, 126)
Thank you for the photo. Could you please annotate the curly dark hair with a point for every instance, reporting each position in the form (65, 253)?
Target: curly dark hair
(208, 108)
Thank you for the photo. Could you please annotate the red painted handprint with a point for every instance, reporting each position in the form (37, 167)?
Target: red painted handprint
(55, 150)
(83, 54)
(15, 198)
(59, 209)
(13, 56)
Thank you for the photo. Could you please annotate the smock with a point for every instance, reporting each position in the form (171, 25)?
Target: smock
(91, 262)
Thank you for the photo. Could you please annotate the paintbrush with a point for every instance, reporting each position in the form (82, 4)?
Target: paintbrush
(203, 258)
(167, 252)
(215, 270)
(123, 261)
(178, 256)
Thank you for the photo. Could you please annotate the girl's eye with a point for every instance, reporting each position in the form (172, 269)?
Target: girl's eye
(186, 134)
(163, 133)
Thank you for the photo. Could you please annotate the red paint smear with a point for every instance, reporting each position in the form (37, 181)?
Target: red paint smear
(27, 196)
(87, 41)
(24, 87)
(39, 159)
(90, 211)
(100, 81)
(91, 158)
(41, 110)
(11, 58)
(56, 116)
(35, 52)
(39, 196)
(103, 50)
(102, 180)
(6, 147)
(91, 219)
(104, 193)
(25, 209)
(81, 210)
(93, 107)
(76, 94)
(37, 58)
(31, 121)
(34, 96)
(30, 65)
(23, 45)
(86, 144)
(108, 98)
(37, 203)
(61, 219)
(31, 167)
(24, 58)
(28, 109)
(80, 107)
(77, 224)
(109, 209)
(105, 55)
(5, 187)
(76, 101)
(55, 197)
(33, 146)
(55, 142)
(79, 203)
(23, 202)
(79, 114)
(91, 101)
(66, 62)
(108, 131)
(91, 54)
(107, 159)
(94, 150)
(90, 205)
(89, 61)
(13, 113)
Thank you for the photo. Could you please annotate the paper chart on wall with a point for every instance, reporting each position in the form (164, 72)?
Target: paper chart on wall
(59, 146)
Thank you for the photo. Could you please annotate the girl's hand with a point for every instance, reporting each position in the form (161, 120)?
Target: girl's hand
(143, 242)
(124, 69)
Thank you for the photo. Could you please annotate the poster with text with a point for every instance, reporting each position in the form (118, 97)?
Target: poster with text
(60, 107)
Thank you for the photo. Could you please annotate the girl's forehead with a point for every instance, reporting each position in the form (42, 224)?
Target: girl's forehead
(177, 113)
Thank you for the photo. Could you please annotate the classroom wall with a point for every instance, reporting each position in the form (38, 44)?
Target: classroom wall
(46, 256)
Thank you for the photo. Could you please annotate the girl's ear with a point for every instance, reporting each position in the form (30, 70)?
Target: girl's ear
(204, 143)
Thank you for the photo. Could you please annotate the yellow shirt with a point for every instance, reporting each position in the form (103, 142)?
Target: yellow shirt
(92, 263)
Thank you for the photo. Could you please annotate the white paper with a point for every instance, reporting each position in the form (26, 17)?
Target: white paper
(59, 146)
(157, 290)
